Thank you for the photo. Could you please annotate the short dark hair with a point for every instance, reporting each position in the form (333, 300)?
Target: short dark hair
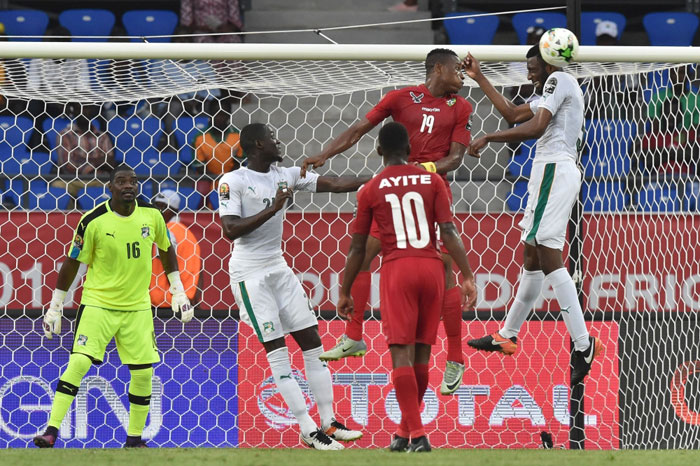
(534, 52)
(122, 167)
(437, 56)
(251, 133)
(393, 138)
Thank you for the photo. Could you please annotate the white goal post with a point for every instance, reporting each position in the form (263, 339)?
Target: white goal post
(634, 249)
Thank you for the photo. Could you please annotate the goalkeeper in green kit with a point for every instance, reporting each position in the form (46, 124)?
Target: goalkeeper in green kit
(115, 240)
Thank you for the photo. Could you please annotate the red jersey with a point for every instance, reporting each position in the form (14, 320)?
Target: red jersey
(406, 202)
(433, 123)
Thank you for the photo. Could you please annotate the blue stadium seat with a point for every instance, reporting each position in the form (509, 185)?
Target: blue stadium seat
(691, 202)
(14, 132)
(590, 20)
(192, 199)
(477, 30)
(146, 190)
(88, 22)
(186, 129)
(603, 197)
(522, 21)
(89, 197)
(521, 162)
(670, 28)
(24, 23)
(135, 138)
(139, 23)
(517, 198)
(607, 145)
(658, 197)
(163, 164)
(38, 163)
(213, 198)
(43, 196)
(13, 191)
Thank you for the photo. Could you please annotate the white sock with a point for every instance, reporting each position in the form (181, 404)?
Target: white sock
(529, 289)
(565, 291)
(321, 385)
(289, 389)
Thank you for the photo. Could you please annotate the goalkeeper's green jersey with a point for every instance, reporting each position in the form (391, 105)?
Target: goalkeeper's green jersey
(118, 253)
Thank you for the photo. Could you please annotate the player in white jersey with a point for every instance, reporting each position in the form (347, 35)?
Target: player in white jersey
(556, 120)
(269, 296)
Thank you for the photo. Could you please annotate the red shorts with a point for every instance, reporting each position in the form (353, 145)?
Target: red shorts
(411, 292)
(374, 229)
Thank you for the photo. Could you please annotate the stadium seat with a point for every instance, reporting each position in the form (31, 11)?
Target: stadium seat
(192, 199)
(12, 191)
(658, 197)
(139, 23)
(43, 196)
(521, 162)
(146, 190)
(517, 198)
(603, 197)
(24, 23)
(88, 22)
(590, 20)
(163, 164)
(607, 146)
(477, 30)
(213, 198)
(89, 197)
(691, 201)
(670, 28)
(135, 138)
(14, 132)
(522, 21)
(186, 129)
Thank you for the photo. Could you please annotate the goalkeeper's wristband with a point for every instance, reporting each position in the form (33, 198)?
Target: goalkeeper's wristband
(175, 282)
(429, 166)
(58, 296)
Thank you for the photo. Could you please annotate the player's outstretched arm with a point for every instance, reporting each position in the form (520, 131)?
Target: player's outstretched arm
(340, 184)
(531, 129)
(352, 268)
(512, 113)
(52, 317)
(346, 140)
(453, 159)
(235, 226)
(455, 247)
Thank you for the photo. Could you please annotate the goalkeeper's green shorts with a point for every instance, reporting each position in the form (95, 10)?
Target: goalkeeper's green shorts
(132, 330)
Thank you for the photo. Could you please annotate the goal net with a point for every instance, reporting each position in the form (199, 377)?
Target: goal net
(634, 249)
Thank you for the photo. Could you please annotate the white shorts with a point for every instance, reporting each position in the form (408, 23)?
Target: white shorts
(552, 190)
(274, 304)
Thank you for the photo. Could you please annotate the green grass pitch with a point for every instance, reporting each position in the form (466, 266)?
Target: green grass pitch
(350, 457)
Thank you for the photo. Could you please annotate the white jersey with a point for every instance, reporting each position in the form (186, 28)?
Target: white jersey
(244, 193)
(563, 98)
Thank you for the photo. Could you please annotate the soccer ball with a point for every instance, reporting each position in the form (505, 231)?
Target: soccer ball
(558, 47)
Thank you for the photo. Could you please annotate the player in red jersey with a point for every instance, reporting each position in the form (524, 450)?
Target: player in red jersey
(405, 203)
(437, 120)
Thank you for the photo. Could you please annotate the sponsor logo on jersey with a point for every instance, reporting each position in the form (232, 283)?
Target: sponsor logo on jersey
(145, 231)
(225, 191)
(550, 85)
(82, 340)
(428, 109)
(451, 102)
(416, 97)
(282, 185)
(268, 328)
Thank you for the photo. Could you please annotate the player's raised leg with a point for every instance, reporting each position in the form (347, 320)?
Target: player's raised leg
(452, 321)
(351, 343)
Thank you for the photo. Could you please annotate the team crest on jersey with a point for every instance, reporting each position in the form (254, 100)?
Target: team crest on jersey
(451, 102)
(417, 97)
(145, 231)
(78, 242)
(225, 191)
(550, 85)
(268, 328)
(82, 340)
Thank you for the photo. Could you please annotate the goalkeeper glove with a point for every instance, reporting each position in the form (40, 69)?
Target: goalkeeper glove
(52, 317)
(179, 302)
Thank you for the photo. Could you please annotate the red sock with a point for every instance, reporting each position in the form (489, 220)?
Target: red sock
(360, 296)
(407, 395)
(422, 376)
(452, 321)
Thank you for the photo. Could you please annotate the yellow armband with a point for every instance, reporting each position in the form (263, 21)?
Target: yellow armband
(429, 166)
